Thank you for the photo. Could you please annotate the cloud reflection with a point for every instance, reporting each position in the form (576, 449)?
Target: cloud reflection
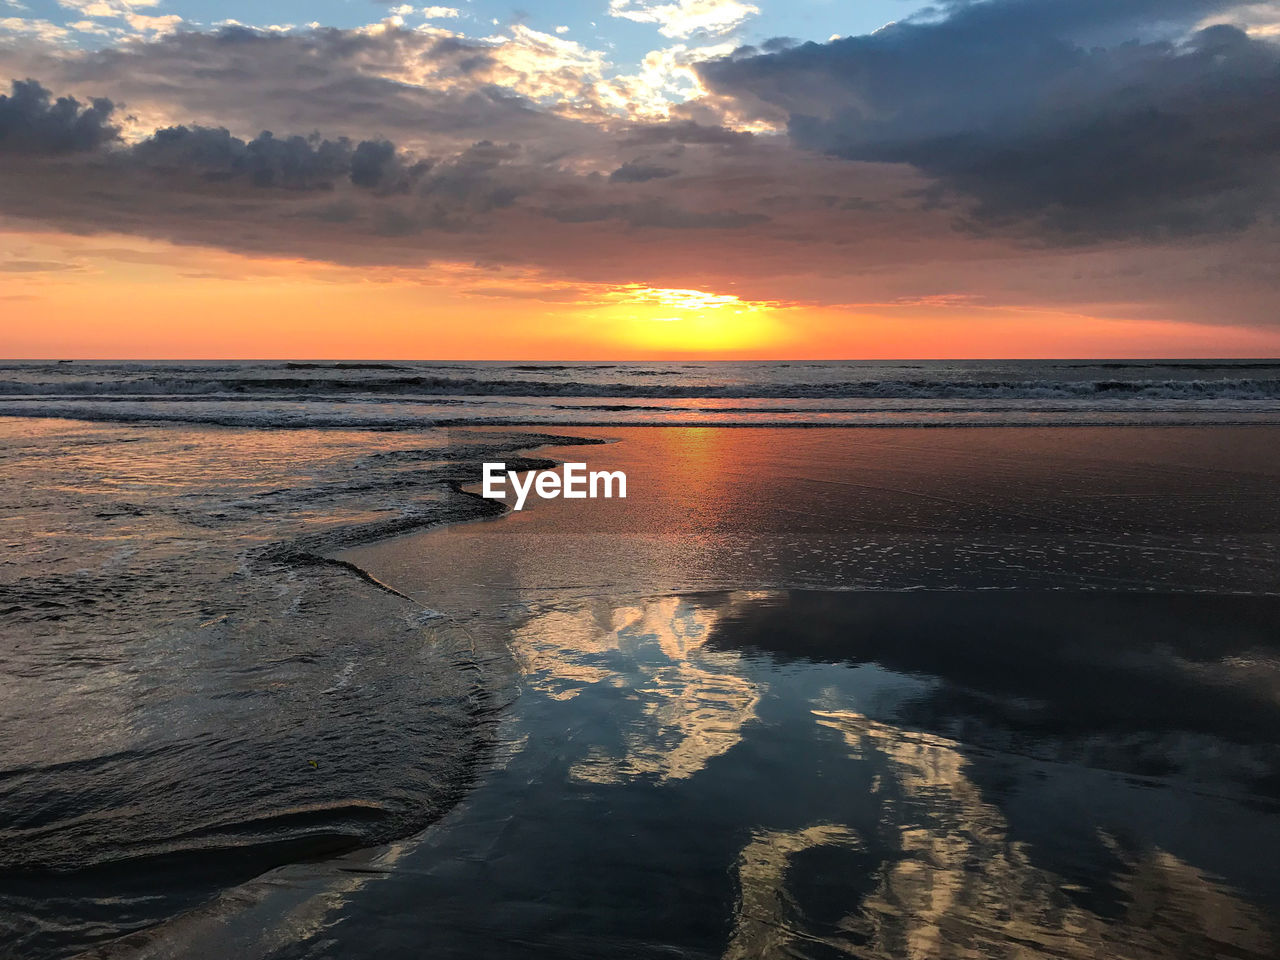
(959, 886)
(692, 702)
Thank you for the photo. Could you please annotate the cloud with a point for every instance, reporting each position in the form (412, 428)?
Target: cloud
(44, 30)
(1002, 102)
(292, 163)
(685, 18)
(122, 10)
(656, 214)
(686, 132)
(36, 266)
(31, 121)
(552, 199)
(1255, 19)
(409, 148)
(636, 171)
(371, 162)
(424, 88)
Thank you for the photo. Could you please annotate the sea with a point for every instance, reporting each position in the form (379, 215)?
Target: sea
(409, 396)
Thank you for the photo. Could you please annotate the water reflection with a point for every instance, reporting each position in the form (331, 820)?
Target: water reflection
(959, 886)
(689, 702)
(927, 863)
(707, 775)
(769, 921)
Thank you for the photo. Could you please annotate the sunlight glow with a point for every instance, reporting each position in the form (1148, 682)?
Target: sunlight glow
(678, 299)
(704, 321)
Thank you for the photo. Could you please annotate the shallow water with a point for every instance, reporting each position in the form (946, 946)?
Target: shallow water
(983, 693)
(1050, 508)
(673, 788)
(189, 693)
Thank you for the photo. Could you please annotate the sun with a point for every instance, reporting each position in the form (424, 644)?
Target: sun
(691, 321)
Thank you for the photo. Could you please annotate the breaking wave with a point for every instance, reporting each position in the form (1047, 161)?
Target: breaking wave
(406, 395)
(436, 386)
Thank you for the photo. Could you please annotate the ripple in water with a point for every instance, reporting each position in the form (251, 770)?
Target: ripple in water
(190, 693)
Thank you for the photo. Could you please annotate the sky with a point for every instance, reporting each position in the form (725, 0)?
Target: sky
(639, 179)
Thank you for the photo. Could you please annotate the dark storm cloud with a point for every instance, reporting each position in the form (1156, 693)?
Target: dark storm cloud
(269, 193)
(1006, 101)
(481, 179)
(291, 162)
(31, 121)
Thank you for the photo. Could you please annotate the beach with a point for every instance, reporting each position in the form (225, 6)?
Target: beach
(655, 479)
(888, 692)
(644, 480)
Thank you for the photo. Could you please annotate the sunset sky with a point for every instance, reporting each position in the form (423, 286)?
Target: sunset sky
(634, 179)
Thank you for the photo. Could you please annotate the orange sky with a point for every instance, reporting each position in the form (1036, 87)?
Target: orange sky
(95, 297)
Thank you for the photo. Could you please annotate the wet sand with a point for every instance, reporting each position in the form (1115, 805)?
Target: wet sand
(844, 693)
(1168, 509)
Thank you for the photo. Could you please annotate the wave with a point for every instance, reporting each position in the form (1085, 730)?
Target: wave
(560, 366)
(674, 417)
(443, 386)
(293, 365)
(1171, 365)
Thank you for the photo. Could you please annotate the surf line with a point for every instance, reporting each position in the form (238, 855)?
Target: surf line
(574, 482)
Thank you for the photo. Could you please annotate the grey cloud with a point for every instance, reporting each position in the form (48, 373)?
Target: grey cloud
(482, 178)
(636, 171)
(420, 91)
(655, 214)
(293, 162)
(546, 202)
(182, 181)
(31, 121)
(1001, 101)
(371, 162)
(675, 218)
(776, 44)
(685, 132)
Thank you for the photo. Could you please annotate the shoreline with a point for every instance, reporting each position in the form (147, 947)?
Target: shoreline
(1192, 419)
